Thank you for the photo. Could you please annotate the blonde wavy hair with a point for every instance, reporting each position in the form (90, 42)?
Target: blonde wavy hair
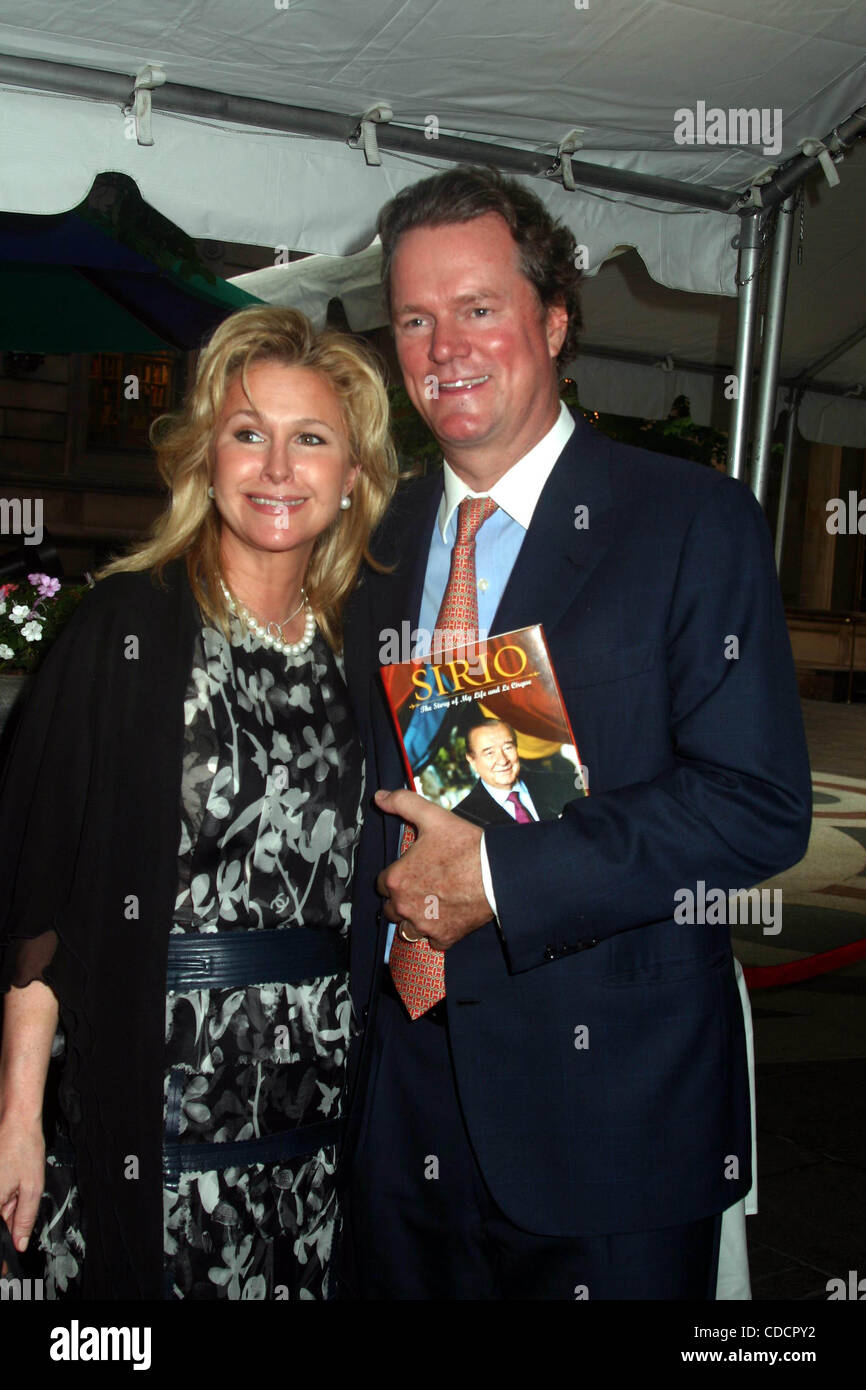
(190, 524)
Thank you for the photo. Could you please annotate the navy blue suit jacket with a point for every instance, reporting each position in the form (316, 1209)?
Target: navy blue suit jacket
(598, 1045)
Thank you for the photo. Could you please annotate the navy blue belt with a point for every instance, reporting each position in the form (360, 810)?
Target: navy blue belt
(285, 955)
(180, 1158)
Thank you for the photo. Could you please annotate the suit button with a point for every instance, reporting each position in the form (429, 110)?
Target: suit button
(365, 1013)
(550, 953)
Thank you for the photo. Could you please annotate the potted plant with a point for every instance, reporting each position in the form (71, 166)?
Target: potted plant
(32, 612)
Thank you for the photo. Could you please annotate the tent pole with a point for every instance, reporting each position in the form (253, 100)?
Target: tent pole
(774, 323)
(791, 176)
(116, 88)
(748, 270)
(794, 398)
(685, 364)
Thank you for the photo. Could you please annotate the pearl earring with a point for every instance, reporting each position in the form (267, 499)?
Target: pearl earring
(345, 503)
(211, 494)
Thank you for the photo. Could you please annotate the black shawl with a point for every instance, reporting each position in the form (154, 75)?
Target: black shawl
(90, 827)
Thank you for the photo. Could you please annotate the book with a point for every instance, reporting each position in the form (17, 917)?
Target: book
(485, 726)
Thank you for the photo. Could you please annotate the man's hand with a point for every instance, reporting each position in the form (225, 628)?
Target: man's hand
(435, 888)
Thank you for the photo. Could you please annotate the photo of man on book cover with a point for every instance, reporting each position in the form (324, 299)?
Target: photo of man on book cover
(505, 789)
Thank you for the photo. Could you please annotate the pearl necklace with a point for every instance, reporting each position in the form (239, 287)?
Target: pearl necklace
(264, 636)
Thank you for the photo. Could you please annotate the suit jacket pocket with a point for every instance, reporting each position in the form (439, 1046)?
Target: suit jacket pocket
(581, 669)
(663, 972)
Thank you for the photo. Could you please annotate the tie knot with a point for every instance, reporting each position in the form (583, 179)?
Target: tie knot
(471, 514)
(521, 815)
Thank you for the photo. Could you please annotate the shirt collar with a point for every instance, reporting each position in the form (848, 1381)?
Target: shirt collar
(501, 794)
(517, 491)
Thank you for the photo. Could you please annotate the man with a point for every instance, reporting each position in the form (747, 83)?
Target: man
(550, 1096)
(500, 795)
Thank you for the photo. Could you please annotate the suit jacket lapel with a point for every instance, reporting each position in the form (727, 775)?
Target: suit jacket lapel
(563, 544)
(405, 545)
(390, 602)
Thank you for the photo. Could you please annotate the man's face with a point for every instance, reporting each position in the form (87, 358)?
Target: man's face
(492, 753)
(476, 348)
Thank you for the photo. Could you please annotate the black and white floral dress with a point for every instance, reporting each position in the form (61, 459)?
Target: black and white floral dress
(271, 806)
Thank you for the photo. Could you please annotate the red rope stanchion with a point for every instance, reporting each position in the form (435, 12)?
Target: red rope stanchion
(768, 976)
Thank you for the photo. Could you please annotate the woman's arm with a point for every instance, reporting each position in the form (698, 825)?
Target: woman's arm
(29, 1024)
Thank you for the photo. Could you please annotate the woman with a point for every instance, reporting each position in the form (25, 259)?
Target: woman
(180, 814)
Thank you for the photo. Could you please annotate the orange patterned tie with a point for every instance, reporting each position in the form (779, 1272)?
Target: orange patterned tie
(417, 971)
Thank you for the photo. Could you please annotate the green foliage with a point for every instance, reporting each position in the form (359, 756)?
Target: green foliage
(25, 637)
(417, 448)
(678, 434)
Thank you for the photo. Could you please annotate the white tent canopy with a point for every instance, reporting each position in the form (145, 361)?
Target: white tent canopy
(500, 70)
(513, 76)
(666, 333)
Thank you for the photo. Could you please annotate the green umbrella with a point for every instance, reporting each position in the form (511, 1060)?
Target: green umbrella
(68, 286)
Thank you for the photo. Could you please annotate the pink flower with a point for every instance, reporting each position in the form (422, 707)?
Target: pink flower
(47, 586)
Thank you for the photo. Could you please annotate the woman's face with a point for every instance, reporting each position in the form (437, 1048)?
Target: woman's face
(281, 460)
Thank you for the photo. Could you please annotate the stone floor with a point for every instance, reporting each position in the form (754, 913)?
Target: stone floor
(836, 735)
(810, 1038)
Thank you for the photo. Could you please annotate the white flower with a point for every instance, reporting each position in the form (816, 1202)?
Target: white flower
(2, 606)
(20, 611)
(5, 652)
(32, 632)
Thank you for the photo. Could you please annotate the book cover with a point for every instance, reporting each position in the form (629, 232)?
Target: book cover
(486, 734)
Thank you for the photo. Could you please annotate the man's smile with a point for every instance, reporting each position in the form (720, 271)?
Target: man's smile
(463, 383)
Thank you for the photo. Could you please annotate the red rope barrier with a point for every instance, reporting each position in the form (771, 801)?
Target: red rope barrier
(768, 976)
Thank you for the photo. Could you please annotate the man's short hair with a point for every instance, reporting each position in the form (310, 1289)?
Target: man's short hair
(546, 247)
(484, 723)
